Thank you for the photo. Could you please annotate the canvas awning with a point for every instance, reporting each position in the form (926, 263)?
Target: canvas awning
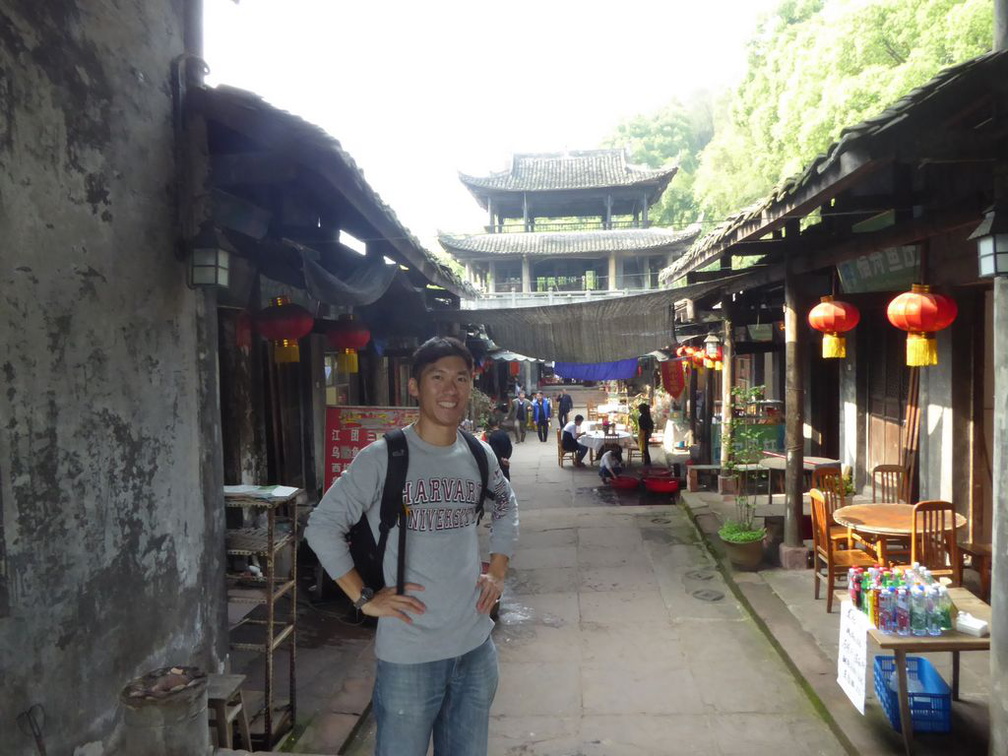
(606, 330)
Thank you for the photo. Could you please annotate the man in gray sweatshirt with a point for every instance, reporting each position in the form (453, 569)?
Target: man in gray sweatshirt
(437, 665)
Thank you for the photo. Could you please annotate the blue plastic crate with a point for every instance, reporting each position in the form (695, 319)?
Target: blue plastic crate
(930, 710)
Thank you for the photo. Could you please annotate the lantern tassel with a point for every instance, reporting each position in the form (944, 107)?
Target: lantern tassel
(922, 350)
(833, 346)
(286, 350)
(346, 361)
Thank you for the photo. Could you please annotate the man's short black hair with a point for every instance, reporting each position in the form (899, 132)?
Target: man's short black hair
(578, 419)
(434, 349)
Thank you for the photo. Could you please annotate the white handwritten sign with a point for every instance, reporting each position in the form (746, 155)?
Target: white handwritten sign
(852, 662)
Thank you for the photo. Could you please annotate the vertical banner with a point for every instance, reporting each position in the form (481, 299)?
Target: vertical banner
(350, 429)
(673, 380)
(852, 661)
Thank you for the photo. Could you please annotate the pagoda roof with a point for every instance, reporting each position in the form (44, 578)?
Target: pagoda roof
(558, 171)
(547, 244)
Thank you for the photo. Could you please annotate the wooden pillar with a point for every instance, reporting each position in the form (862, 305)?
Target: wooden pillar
(607, 221)
(644, 211)
(692, 404)
(468, 271)
(708, 413)
(525, 212)
(526, 275)
(490, 210)
(727, 375)
(612, 271)
(491, 276)
(999, 569)
(794, 408)
(1000, 32)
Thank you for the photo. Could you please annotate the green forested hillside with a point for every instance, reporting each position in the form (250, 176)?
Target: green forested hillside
(815, 67)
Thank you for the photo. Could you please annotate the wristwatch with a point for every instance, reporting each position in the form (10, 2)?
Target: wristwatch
(366, 595)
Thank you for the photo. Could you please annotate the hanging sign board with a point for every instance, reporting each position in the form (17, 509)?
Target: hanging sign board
(852, 661)
(350, 429)
(892, 269)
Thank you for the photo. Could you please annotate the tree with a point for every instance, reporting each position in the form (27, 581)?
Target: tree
(675, 134)
(818, 66)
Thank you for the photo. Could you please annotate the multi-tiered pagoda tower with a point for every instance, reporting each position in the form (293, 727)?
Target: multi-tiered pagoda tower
(573, 222)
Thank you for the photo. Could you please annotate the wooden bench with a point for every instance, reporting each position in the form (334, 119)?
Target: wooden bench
(693, 475)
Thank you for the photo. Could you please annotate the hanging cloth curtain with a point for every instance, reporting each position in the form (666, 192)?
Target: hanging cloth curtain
(621, 370)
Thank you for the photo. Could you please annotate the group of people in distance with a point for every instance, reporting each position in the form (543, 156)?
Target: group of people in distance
(611, 461)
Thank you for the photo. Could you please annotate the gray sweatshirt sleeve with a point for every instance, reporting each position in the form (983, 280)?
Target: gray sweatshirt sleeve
(353, 493)
(504, 513)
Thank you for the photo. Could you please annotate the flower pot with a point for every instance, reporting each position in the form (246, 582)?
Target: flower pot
(728, 485)
(744, 556)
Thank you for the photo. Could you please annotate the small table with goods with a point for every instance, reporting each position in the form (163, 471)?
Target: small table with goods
(952, 640)
(883, 520)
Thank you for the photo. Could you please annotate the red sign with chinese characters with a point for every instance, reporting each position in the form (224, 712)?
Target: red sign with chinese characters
(350, 429)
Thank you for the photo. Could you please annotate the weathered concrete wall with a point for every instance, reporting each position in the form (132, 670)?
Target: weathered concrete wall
(109, 449)
(936, 437)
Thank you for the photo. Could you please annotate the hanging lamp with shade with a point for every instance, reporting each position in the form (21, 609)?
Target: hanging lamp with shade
(347, 336)
(920, 313)
(833, 318)
(284, 323)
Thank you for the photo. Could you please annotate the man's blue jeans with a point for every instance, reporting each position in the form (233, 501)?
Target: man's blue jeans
(450, 698)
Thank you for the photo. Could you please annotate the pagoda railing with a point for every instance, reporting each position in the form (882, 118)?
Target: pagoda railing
(546, 226)
(539, 298)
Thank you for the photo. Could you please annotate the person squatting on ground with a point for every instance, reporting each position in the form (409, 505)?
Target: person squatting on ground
(542, 411)
(437, 665)
(500, 442)
(645, 427)
(610, 465)
(569, 439)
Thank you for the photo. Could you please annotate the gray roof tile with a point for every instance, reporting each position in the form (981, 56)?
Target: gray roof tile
(585, 169)
(545, 243)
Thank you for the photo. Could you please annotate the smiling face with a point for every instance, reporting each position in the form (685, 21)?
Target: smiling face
(442, 391)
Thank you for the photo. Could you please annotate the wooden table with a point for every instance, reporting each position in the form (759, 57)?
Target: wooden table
(951, 640)
(774, 462)
(883, 520)
(597, 442)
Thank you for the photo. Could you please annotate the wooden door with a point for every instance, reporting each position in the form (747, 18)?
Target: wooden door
(888, 382)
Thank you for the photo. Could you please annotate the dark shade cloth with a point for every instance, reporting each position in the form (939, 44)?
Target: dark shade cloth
(620, 370)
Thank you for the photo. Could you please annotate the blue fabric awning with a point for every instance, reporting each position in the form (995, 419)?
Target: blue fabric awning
(620, 370)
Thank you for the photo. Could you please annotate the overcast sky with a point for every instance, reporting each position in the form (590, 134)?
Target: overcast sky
(418, 91)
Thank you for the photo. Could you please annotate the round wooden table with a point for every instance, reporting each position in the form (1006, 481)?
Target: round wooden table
(884, 520)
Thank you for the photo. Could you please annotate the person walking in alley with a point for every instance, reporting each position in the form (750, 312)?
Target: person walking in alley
(520, 409)
(569, 439)
(542, 411)
(500, 442)
(564, 406)
(437, 664)
(645, 427)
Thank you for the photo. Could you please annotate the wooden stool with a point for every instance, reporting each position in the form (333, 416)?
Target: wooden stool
(224, 699)
(980, 554)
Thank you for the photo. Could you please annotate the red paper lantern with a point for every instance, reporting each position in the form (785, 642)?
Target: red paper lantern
(514, 368)
(833, 318)
(284, 323)
(921, 313)
(347, 336)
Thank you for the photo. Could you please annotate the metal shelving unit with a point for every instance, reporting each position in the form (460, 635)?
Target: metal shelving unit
(270, 626)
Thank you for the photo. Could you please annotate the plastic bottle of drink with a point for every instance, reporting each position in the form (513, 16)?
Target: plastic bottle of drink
(944, 609)
(903, 611)
(853, 582)
(933, 611)
(887, 610)
(918, 611)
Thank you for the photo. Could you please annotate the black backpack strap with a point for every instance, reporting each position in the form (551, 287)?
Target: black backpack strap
(479, 452)
(393, 508)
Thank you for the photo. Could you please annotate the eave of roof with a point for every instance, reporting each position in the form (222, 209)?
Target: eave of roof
(586, 169)
(549, 243)
(315, 150)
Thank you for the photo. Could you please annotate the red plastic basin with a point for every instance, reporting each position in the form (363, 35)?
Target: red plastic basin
(625, 482)
(662, 485)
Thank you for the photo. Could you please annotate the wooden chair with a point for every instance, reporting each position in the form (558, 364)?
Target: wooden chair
(561, 452)
(932, 544)
(824, 553)
(887, 484)
(830, 482)
(980, 555)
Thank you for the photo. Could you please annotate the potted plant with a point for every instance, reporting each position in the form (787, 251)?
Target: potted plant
(743, 541)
